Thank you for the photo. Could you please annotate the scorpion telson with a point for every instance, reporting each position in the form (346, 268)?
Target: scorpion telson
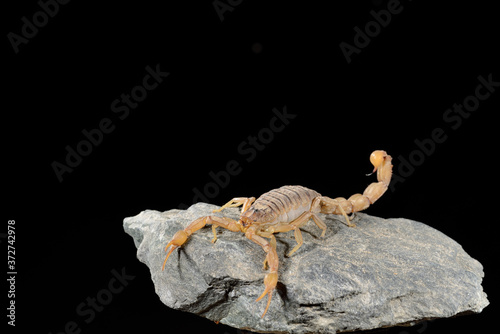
(286, 209)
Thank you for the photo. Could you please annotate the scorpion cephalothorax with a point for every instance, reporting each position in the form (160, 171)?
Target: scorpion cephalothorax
(286, 209)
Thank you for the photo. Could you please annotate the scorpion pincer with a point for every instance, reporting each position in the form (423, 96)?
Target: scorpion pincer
(286, 209)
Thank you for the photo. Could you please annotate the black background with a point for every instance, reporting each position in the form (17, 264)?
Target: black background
(226, 77)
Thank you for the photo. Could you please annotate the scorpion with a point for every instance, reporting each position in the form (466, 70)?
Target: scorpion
(287, 209)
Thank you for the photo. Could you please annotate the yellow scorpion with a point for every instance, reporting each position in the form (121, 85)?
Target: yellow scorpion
(286, 209)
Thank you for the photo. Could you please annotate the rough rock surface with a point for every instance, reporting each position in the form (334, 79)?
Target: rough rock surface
(383, 272)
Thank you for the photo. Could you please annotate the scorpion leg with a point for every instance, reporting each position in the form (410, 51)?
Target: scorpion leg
(338, 206)
(295, 226)
(316, 207)
(237, 201)
(271, 278)
(181, 236)
(300, 221)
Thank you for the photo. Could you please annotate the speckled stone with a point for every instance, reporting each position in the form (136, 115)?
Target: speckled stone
(383, 272)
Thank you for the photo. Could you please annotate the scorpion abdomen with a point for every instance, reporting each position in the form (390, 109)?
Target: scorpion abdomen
(281, 205)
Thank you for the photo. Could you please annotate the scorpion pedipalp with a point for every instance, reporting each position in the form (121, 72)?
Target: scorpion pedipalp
(181, 236)
(270, 282)
(178, 240)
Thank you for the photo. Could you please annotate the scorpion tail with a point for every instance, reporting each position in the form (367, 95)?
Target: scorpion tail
(381, 162)
(382, 165)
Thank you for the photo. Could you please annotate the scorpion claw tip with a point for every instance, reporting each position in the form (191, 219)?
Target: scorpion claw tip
(168, 245)
(168, 255)
(261, 296)
(269, 293)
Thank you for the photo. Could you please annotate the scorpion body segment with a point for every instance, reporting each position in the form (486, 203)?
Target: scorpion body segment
(282, 205)
(287, 209)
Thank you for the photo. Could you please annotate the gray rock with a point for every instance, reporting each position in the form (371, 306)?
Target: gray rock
(382, 273)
